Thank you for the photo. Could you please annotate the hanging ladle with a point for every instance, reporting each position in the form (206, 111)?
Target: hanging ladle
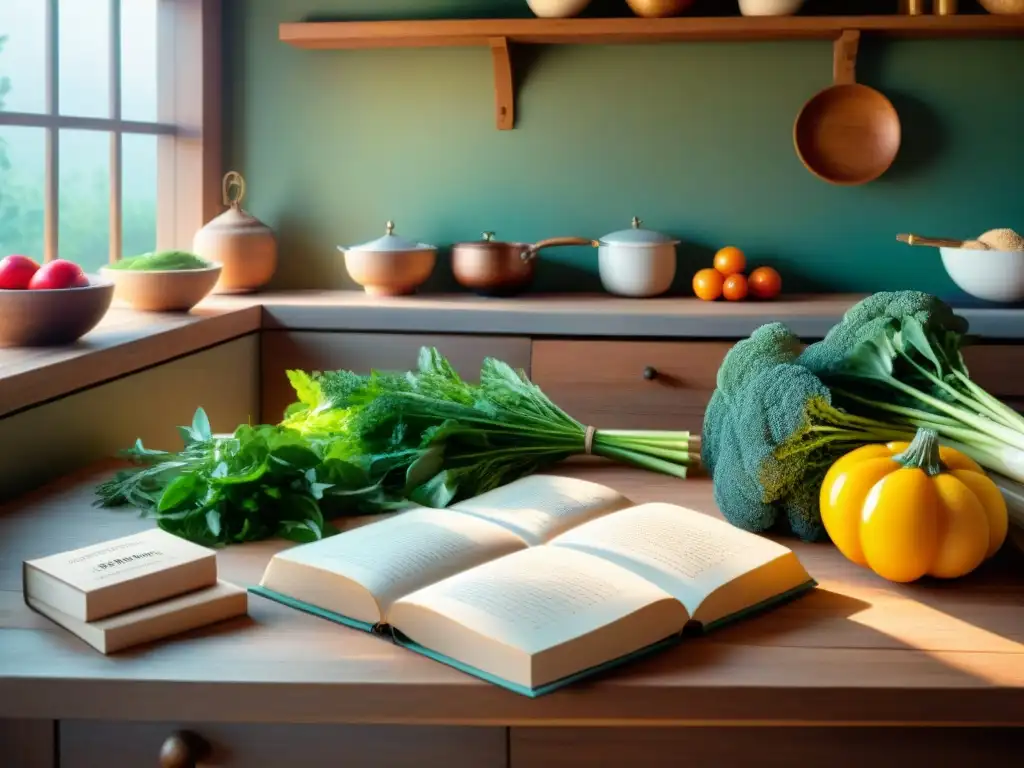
(848, 133)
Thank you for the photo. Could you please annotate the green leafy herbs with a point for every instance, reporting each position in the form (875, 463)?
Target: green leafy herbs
(257, 483)
(161, 261)
(357, 443)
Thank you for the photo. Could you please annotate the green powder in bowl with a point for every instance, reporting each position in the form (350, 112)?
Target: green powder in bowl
(162, 261)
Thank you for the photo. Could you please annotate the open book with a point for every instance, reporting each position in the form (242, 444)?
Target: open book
(539, 582)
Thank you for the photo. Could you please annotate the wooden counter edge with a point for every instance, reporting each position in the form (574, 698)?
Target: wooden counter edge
(40, 376)
(479, 704)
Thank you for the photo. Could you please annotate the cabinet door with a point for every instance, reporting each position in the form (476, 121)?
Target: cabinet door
(764, 747)
(325, 351)
(94, 744)
(630, 384)
(27, 743)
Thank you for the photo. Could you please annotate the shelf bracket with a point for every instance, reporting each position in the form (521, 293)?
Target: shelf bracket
(844, 57)
(504, 90)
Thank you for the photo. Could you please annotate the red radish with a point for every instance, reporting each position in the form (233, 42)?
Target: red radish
(58, 273)
(16, 272)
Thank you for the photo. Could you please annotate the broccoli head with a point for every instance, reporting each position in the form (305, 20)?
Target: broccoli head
(771, 432)
(873, 318)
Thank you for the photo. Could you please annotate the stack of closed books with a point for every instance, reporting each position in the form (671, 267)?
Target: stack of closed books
(131, 590)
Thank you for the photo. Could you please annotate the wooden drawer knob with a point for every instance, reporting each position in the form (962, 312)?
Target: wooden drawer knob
(650, 373)
(182, 750)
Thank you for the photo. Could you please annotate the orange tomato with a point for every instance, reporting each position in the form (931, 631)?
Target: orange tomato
(707, 284)
(765, 283)
(730, 261)
(735, 288)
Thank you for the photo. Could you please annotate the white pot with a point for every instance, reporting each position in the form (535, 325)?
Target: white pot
(770, 7)
(637, 262)
(557, 9)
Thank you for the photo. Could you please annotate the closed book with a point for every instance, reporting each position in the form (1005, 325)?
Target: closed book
(154, 621)
(114, 576)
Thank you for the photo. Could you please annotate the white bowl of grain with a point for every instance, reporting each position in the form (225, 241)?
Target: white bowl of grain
(992, 272)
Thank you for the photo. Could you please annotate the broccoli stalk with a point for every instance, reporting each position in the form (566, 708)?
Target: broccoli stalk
(771, 432)
(898, 356)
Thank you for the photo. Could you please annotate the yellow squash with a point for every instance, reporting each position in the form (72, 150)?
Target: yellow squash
(912, 510)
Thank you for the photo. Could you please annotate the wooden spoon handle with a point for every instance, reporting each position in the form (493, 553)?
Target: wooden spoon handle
(936, 242)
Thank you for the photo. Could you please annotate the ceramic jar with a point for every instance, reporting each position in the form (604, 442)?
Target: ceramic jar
(637, 262)
(241, 243)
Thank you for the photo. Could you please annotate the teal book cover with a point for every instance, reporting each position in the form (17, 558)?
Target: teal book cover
(396, 637)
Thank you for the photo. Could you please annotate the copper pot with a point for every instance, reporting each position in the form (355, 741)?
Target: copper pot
(491, 267)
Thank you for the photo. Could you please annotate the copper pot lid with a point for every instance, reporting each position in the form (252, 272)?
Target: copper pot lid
(389, 243)
(635, 235)
(487, 242)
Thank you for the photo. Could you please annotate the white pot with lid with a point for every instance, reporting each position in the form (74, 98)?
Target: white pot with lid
(637, 262)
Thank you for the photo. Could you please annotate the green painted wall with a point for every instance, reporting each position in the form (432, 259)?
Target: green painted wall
(693, 138)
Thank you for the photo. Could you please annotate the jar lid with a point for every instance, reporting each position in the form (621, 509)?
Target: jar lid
(390, 242)
(637, 236)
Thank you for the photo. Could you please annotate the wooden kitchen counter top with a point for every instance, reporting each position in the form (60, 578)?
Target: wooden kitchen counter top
(857, 650)
(126, 342)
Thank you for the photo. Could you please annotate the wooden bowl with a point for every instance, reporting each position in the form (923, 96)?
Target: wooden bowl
(658, 9)
(165, 290)
(40, 318)
(847, 134)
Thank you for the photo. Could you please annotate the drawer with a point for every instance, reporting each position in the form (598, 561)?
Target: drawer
(361, 352)
(95, 744)
(630, 384)
(763, 747)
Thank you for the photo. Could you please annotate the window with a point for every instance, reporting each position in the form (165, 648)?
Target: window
(109, 126)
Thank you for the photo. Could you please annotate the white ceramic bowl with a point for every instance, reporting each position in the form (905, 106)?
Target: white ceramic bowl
(557, 9)
(770, 7)
(989, 275)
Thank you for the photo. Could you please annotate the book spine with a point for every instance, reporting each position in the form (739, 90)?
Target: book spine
(384, 630)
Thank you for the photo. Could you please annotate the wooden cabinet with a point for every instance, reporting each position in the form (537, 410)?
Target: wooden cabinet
(27, 744)
(626, 384)
(759, 747)
(999, 370)
(97, 744)
(316, 351)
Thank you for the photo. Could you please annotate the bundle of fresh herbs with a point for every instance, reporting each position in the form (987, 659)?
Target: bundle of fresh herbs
(359, 443)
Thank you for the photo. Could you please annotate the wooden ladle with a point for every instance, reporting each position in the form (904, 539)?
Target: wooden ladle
(848, 133)
(942, 242)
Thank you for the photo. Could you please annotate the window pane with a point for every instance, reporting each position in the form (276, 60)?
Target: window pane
(84, 57)
(22, 182)
(138, 194)
(138, 60)
(84, 192)
(22, 56)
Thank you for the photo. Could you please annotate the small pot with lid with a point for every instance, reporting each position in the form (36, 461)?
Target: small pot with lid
(492, 267)
(391, 265)
(637, 262)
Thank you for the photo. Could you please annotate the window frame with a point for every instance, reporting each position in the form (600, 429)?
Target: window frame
(188, 124)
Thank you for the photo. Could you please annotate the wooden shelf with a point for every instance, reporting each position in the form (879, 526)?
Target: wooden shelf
(500, 34)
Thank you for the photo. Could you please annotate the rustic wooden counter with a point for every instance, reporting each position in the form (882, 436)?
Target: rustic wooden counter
(126, 342)
(858, 650)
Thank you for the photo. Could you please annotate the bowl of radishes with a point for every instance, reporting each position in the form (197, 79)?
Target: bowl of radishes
(49, 304)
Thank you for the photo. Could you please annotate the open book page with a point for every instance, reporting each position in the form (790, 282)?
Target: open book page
(538, 615)
(360, 572)
(538, 507)
(713, 568)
